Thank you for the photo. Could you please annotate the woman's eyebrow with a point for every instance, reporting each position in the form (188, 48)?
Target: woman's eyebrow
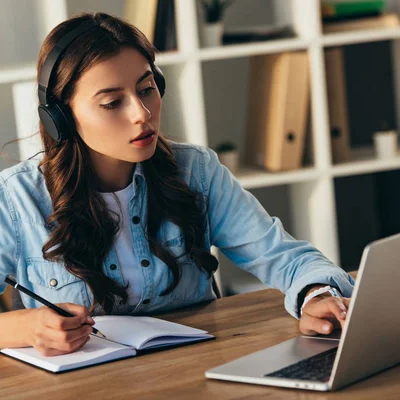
(116, 89)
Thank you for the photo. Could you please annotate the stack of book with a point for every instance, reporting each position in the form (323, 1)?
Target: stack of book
(277, 110)
(347, 15)
(156, 19)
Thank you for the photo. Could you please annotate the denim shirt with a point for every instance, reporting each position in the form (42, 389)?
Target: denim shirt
(236, 223)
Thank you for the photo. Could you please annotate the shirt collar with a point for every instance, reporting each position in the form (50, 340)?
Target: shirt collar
(139, 171)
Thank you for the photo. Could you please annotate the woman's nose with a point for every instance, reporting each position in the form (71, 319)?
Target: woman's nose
(138, 111)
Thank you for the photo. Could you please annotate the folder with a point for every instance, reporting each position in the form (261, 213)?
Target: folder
(165, 28)
(337, 105)
(142, 14)
(277, 109)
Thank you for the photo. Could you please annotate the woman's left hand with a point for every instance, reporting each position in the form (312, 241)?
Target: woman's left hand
(323, 313)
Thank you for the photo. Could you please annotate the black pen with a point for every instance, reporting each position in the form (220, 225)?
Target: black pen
(47, 303)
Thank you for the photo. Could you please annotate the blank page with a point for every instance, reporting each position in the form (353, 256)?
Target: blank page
(136, 331)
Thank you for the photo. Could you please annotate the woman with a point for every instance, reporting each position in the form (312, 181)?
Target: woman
(117, 219)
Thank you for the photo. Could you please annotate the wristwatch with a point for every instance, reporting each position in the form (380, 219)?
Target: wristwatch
(326, 289)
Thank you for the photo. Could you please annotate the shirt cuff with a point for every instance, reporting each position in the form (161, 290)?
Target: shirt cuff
(336, 277)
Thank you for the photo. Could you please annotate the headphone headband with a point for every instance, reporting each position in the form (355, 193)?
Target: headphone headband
(48, 69)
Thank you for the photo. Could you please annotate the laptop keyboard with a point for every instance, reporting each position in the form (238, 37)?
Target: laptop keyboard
(316, 368)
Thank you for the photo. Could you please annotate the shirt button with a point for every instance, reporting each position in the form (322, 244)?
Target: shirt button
(146, 301)
(113, 267)
(53, 282)
(145, 263)
(136, 219)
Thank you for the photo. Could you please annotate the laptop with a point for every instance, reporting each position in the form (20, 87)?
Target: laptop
(368, 344)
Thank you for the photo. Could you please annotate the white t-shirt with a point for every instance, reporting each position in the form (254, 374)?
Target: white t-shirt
(123, 243)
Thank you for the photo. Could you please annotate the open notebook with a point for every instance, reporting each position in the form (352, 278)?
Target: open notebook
(131, 333)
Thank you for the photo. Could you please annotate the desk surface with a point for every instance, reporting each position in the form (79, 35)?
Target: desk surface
(242, 324)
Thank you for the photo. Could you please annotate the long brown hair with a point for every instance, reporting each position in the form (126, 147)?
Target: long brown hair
(84, 229)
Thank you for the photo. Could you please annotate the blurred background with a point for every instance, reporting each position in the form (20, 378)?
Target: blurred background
(300, 98)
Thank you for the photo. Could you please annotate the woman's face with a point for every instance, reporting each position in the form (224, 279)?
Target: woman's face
(116, 101)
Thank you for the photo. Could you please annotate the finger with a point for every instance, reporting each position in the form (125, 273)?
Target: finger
(59, 341)
(310, 325)
(50, 352)
(332, 305)
(346, 302)
(72, 346)
(70, 336)
(58, 322)
(75, 309)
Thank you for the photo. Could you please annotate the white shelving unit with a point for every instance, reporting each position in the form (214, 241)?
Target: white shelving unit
(189, 113)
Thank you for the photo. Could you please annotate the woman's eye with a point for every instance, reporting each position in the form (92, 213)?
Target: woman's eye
(110, 106)
(114, 104)
(147, 91)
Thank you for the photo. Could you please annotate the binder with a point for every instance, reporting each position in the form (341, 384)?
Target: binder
(278, 103)
(337, 104)
(165, 28)
(142, 14)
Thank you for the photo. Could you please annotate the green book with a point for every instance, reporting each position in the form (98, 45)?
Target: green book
(344, 9)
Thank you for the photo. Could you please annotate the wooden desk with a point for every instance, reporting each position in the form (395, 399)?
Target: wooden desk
(242, 324)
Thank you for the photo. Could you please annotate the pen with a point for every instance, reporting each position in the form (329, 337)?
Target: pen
(47, 303)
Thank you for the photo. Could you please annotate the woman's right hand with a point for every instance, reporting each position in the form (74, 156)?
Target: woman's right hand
(52, 334)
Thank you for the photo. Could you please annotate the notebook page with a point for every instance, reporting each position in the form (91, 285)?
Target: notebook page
(161, 341)
(94, 351)
(136, 331)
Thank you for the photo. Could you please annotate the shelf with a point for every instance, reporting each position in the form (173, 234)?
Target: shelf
(28, 71)
(171, 57)
(252, 48)
(18, 73)
(364, 162)
(208, 91)
(361, 36)
(252, 178)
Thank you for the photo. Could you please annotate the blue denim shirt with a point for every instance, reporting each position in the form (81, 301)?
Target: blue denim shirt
(236, 223)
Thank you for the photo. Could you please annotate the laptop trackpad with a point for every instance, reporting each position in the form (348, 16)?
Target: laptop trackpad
(276, 357)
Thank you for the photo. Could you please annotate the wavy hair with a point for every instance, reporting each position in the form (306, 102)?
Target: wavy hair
(83, 228)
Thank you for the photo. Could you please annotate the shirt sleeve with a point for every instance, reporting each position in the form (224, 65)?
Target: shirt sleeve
(8, 238)
(257, 243)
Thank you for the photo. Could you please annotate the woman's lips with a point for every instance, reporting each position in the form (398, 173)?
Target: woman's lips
(144, 141)
(143, 135)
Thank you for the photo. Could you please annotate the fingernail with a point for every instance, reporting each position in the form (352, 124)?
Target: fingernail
(90, 320)
(325, 327)
(343, 314)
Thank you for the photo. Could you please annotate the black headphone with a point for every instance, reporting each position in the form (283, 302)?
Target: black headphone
(55, 115)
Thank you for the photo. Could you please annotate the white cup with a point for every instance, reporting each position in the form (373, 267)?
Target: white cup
(385, 144)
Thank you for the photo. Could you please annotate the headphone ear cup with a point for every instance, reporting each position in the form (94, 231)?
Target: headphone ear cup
(159, 79)
(57, 120)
